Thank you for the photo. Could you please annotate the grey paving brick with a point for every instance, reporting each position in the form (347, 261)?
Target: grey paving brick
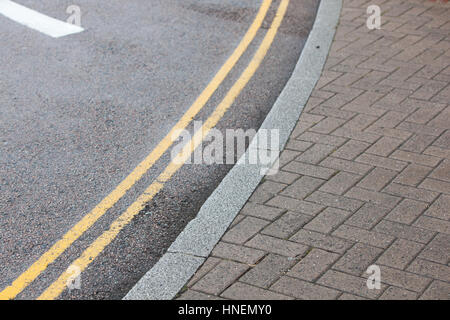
(389, 120)
(438, 152)
(400, 253)
(301, 127)
(340, 183)
(438, 290)
(430, 269)
(438, 250)
(384, 146)
(443, 141)
(295, 205)
(288, 224)
(442, 119)
(345, 165)
(418, 128)
(378, 161)
(403, 279)
(433, 224)
(404, 231)
(219, 278)
(315, 154)
(237, 253)
(284, 177)
(350, 284)
(436, 185)
(195, 295)
(207, 266)
(322, 241)
(333, 112)
(439, 209)
(322, 139)
(266, 191)
(304, 290)
(377, 179)
(356, 260)
(244, 230)
(297, 145)
(421, 159)
(351, 150)
(394, 293)
(236, 220)
(313, 265)
(360, 122)
(309, 170)
(302, 187)
(278, 246)
(348, 296)
(267, 271)
(422, 116)
(261, 211)
(327, 125)
(357, 134)
(410, 192)
(242, 291)
(418, 142)
(287, 156)
(367, 216)
(327, 220)
(309, 116)
(364, 236)
(407, 211)
(377, 198)
(335, 201)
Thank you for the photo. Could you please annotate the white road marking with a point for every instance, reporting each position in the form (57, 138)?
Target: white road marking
(37, 21)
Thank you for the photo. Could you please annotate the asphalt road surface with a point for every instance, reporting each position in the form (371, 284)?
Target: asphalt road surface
(80, 112)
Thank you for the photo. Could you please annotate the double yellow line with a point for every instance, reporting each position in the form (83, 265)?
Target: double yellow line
(57, 287)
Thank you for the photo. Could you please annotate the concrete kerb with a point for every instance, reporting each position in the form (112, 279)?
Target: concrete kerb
(194, 244)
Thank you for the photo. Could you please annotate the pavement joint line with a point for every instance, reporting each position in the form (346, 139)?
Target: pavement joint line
(37, 21)
(201, 234)
(186, 253)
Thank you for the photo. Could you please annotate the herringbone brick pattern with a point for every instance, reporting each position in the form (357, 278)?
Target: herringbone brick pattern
(365, 177)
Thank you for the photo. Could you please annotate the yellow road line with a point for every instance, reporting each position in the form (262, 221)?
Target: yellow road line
(57, 287)
(88, 220)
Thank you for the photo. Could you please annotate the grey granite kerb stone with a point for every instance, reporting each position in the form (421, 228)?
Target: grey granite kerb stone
(168, 276)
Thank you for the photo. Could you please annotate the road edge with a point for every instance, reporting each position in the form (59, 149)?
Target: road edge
(194, 244)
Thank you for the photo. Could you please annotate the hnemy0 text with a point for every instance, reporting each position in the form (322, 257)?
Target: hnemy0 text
(229, 309)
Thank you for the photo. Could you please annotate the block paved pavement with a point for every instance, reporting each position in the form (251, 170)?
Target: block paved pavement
(364, 179)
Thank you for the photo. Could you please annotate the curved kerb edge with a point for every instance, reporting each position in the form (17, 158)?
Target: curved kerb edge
(194, 244)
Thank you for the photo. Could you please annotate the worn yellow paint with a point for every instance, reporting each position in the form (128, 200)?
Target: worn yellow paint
(57, 287)
(89, 219)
